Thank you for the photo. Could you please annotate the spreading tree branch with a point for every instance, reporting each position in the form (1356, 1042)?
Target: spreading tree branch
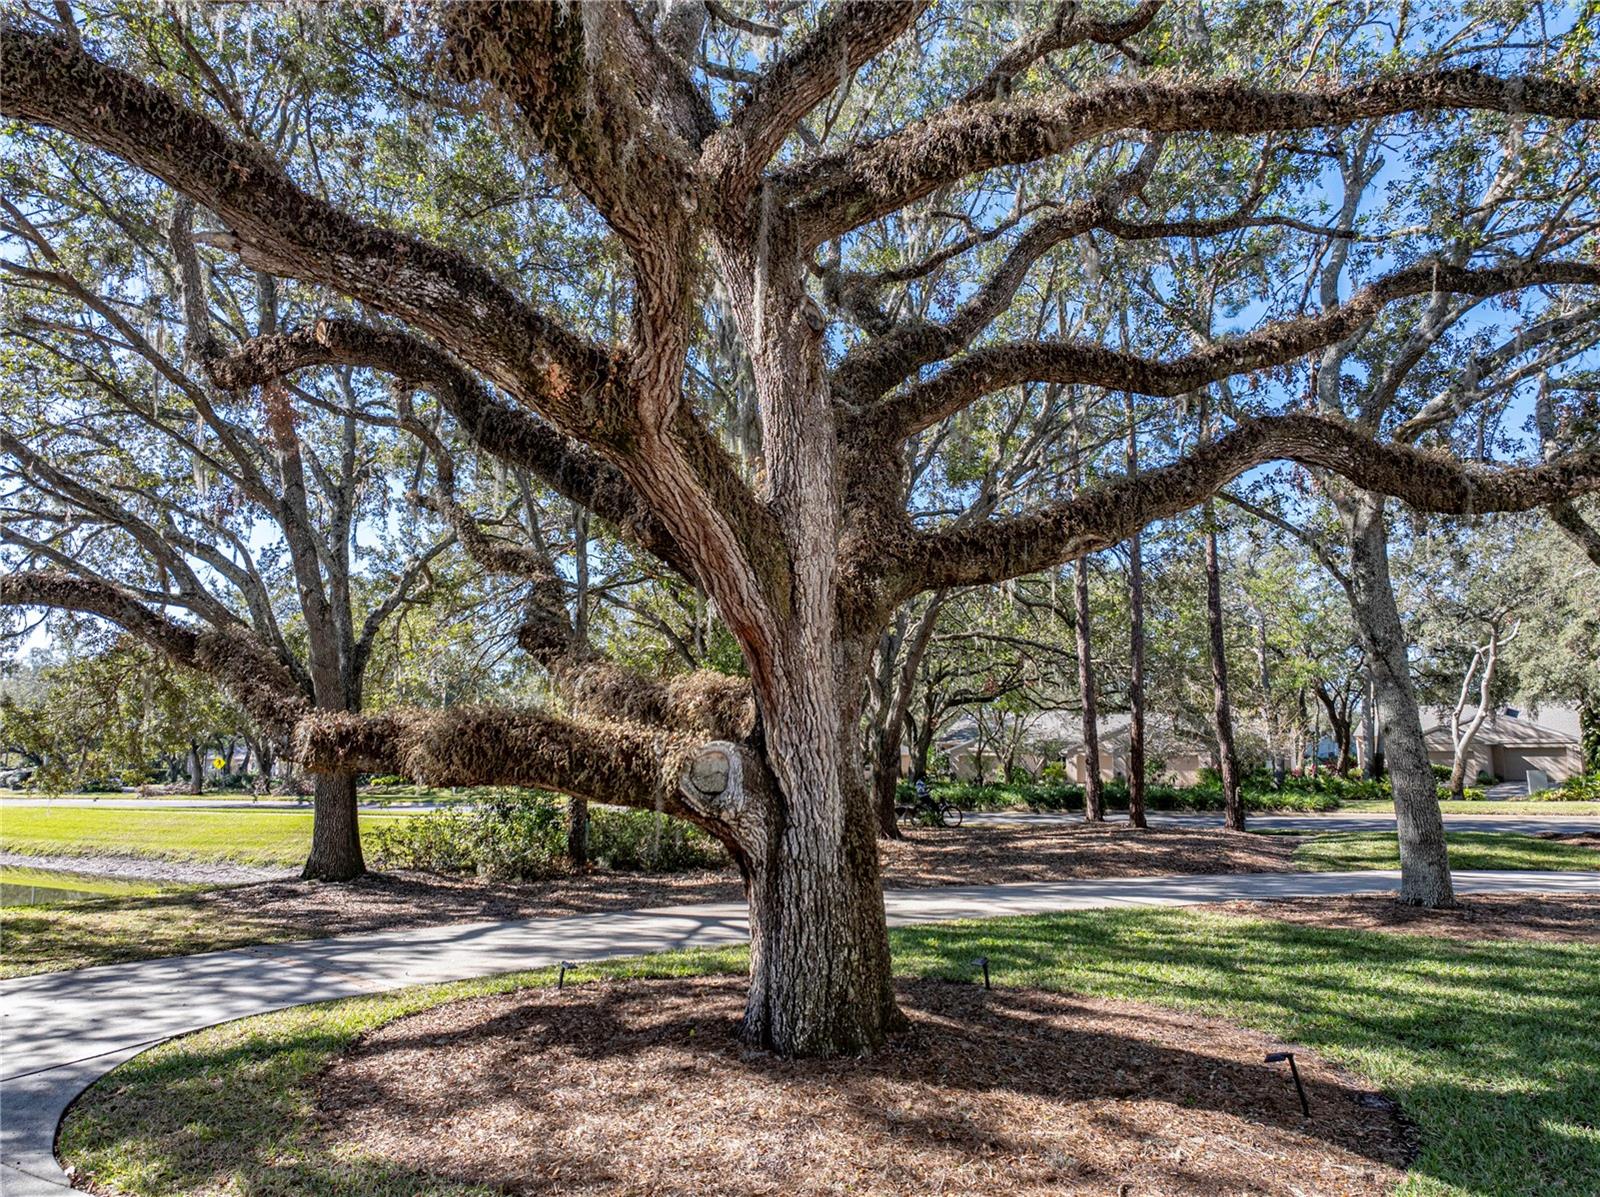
(834, 192)
(1100, 517)
(995, 367)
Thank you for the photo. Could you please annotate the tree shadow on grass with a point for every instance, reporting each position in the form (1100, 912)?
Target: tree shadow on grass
(1493, 1047)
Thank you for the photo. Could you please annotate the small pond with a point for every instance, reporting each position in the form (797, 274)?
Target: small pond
(45, 887)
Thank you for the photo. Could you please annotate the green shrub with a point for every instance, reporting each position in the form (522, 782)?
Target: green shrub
(385, 780)
(1063, 796)
(639, 841)
(513, 834)
(1585, 787)
(521, 835)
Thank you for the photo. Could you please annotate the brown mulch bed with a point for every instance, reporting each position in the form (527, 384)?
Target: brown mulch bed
(643, 1088)
(1573, 918)
(993, 855)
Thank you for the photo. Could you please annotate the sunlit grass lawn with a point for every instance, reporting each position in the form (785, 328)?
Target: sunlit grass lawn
(1492, 1048)
(1452, 807)
(266, 838)
(1343, 851)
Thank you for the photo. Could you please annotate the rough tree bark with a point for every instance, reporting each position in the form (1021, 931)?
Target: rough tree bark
(336, 846)
(1424, 862)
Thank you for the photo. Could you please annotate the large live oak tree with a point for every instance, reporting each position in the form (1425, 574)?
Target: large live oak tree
(808, 562)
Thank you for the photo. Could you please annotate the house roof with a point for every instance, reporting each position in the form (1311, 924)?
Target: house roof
(1061, 734)
(1506, 731)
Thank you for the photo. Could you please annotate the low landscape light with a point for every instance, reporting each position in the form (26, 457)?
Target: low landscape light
(1274, 1058)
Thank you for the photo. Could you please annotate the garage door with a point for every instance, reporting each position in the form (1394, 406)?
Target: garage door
(1513, 764)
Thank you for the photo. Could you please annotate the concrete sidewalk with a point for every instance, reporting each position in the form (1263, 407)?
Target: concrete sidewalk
(62, 1031)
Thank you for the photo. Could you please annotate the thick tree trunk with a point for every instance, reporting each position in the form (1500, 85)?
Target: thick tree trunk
(1424, 862)
(335, 839)
(1221, 708)
(196, 770)
(820, 981)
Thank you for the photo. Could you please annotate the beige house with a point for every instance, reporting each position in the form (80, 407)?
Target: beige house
(1513, 743)
(1049, 736)
(1176, 758)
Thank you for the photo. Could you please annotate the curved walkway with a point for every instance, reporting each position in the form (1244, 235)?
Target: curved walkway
(62, 1031)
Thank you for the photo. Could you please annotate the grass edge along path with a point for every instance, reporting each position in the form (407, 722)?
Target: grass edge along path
(1490, 1046)
(1349, 851)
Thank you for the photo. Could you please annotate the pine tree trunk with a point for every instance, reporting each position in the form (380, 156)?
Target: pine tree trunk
(1221, 707)
(1424, 861)
(335, 839)
(1136, 814)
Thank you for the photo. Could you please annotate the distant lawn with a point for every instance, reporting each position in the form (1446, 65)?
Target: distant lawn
(1341, 852)
(265, 838)
(1489, 1046)
(1450, 806)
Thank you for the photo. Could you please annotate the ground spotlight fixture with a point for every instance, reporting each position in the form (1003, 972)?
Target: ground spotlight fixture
(561, 977)
(1275, 1057)
(983, 963)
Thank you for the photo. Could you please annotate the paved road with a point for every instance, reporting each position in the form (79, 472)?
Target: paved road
(62, 1031)
(1375, 821)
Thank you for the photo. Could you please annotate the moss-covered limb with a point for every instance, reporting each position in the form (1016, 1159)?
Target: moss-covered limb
(1067, 29)
(707, 704)
(833, 193)
(516, 437)
(605, 101)
(718, 785)
(280, 228)
(230, 654)
(1110, 512)
(846, 37)
(996, 367)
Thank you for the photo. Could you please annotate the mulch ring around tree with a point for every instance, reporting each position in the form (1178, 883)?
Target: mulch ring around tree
(1550, 918)
(642, 1087)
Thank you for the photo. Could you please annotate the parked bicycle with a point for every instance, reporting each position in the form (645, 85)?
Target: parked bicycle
(923, 808)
